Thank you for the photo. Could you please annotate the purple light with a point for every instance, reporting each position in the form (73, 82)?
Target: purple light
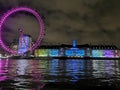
(41, 24)
(108, 53)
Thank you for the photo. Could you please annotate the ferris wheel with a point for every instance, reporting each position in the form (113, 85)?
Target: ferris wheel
(22, 41)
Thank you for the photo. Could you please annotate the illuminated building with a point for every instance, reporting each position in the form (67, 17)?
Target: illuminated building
(97, 53)
(74, 43)
(74, 51)
(105, 51)
(41, 53)
(78, 51)
(53, 52)
(24, 43)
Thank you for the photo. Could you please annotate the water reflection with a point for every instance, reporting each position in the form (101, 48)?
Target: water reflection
(23, 75)
(35, 74)
(75, 69)
(117, 68)
(3, 70)
(21, 67)
(105, 68)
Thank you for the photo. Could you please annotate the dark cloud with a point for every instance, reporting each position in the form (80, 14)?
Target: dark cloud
(87, 21)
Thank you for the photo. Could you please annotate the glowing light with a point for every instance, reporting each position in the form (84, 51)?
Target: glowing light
(25, 9)
(74, 52)
(53, 52)
(103, 53)
(69, 52)
(97, 53)
(74, 43)
(80, 53)
(108, 53)
(41, 52)
(24, 44)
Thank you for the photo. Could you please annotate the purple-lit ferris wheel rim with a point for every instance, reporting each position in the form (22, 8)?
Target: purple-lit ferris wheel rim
(25, 9)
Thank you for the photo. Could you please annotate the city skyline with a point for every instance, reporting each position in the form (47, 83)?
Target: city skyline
(93, 21)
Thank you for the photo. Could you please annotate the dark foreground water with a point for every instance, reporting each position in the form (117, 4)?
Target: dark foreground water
(59, 74)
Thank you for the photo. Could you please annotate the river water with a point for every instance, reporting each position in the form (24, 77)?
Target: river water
(69, 74)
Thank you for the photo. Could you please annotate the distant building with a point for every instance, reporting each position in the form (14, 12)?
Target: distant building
(24, 43)
(96, 51)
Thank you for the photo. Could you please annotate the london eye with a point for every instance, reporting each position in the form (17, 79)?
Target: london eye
(22, 41)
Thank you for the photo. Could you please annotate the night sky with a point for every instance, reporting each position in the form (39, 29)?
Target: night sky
(87, 21)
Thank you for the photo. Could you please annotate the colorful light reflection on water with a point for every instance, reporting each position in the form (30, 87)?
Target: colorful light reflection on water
(37, 74)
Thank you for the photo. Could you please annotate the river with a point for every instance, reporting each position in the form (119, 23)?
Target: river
(69, 74)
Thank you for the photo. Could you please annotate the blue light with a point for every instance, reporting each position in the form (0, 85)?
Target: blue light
(53, 52)
(69, 52)
(97, 53)
(75, 68)
(74, 43)
(80, 53)
(24, 43)
(75, 52)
